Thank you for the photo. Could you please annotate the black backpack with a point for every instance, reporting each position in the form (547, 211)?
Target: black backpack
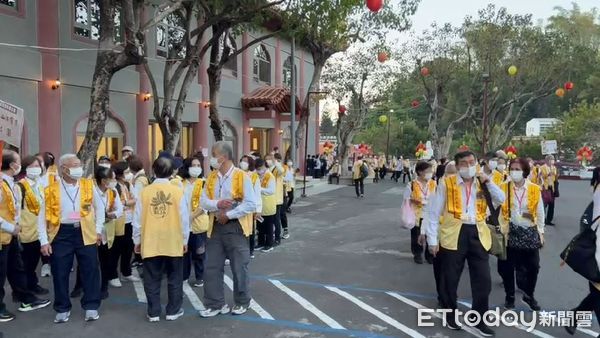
(364, 170)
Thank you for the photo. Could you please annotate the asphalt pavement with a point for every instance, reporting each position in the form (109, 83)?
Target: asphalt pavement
(346, 271)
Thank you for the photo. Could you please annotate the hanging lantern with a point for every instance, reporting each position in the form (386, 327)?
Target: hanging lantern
(560, 92)
(415, 103)
(513, 70)
(569, 85)
(342, 110)
(463, 147)
(511, 152)
(382, 57)
(421, 150)
(584, 155)
(383, 118)
(374, 5)
(425, 71)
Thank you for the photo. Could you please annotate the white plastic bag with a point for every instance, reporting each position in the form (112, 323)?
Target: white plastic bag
(408, 218)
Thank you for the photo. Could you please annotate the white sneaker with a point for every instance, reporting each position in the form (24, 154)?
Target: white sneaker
(62, 317)
(239, 310)
(131, 278)
(115, 283)
(207, 313)
(91, 315)
(153, 319)
(46, 272)
(175, 316)
(227, 262)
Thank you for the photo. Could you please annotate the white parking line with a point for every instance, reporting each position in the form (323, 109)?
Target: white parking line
(139, 287)
(193, 297)
(307, 305)
(376, 313)
(253, 305)
(588, 332)
(419, 306)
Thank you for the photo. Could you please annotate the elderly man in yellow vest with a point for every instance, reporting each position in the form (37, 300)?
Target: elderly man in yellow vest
(549, 177)
(230, 199)
(74, 225)
(461, 205)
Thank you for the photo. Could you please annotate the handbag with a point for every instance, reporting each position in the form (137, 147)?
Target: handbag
(498, 248)
(580, 254)
(586, 219)
(520, 237)
(547, 196)
(408, 219)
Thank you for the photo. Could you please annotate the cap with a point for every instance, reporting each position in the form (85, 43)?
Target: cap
(127, 148)
(103, 158)
(177, 163)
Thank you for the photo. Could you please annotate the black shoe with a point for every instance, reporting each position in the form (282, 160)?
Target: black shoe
(484, 330)
(550, 224)
(532, 303)
(429, 260)
(76, 293)
(418, 259)
(451, 323)
(289, 211)
(36, 304)
(509, 304)
(104, 294)
(6, 316)
(38, 290)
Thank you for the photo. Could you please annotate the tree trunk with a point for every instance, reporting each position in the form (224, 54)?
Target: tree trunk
(214, 85)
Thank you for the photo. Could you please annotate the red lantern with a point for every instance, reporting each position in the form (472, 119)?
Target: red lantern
(511, 152)
(569, 85)
(342, 110)
(382, 57)
(415, 103)
(425, 71)
(374, 5)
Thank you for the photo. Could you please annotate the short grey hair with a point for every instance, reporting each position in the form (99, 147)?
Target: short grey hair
(549, 157)
(224, 148)
(66, 158)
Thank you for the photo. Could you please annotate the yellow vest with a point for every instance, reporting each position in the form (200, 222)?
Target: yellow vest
(142, 179)
(8, 211)
(199, 224)
(86, 198)
(533, 198)
(237, 193)
(120, 222)
(30, 211)
(417, 194)
(162, 233)
(269, 202)
(279, 186)
(533, 175)
(498, 177)
(177, 181)
(548, 175)
(110, 226)
(451, 222)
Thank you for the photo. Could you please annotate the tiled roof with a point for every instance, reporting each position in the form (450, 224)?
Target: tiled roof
(278, 98)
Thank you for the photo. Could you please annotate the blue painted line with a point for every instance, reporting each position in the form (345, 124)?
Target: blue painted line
(191, 312)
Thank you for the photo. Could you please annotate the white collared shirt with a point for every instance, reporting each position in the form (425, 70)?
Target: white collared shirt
(184, 216)
(8, 226)
(223, 192)
(103, 198)
(438, 203)
(518, 201)
(257, 192)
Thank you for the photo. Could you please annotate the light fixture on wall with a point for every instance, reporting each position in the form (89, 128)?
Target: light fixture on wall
(55, 84)
(205, 104)
(250, 130)
(146, 96)
(280, 131)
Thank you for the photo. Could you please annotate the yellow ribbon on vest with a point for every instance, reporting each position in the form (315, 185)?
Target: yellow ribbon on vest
(120, 222)
(31, 201)
(8, 211)
(237, 194)
(533, 198)
(418, 195)
(269, 202)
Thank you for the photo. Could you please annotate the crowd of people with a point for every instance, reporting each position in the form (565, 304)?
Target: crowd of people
(120, 218)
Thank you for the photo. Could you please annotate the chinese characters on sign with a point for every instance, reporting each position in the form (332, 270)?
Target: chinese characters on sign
(11, 123)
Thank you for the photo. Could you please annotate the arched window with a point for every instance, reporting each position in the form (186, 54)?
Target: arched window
(230, 136)
(287, 73)
(110, 144)
(262, 65)
(86, 19)
(170, 33)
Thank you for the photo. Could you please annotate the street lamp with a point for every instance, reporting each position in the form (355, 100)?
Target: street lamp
(306, 140)
(486, 81)
(387, 148)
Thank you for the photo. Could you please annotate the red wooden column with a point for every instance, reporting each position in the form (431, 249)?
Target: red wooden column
(49, 100)
(275, 136)
(244, 136)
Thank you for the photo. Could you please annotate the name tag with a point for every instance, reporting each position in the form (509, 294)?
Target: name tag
(75, 216)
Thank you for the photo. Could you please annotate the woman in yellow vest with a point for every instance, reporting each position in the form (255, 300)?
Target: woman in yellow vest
(247, 165)
(32, 205)
(534, 175)
(278, 170)
(193, 183)
(269, 207)
(290, 185)
(521, 215)
(549, 178)
(457, 217)
(106, 192)
(419, 192)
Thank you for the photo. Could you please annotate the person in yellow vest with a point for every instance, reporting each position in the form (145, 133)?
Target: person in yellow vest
(269, 206)
(32, 202)
(193, 183)
(248, 166)
(139, 181)
(11, 261)
(122, 249)
(359, 169)
(51, 173)
(522, 212)
(106, 192)
(549, 179)
(230, 199)
(289, 186)
(334, 172)
(74, 227)
(280, 172)
(406, 170)
(419, 192)
(161, 229)
(463, 235)
(534, 175)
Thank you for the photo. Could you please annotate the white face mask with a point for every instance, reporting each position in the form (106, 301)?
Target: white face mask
(33, 173)
(501, 167)
(195, 171)
(104, 165)
(128, 177)
(468, 172)
(270, 163)
(244, 166)
(214, 162)
(112, 185)
(261, 172)
(289, 163)
(428, 176)
(493, 165)
(76, 173)
(516, 176)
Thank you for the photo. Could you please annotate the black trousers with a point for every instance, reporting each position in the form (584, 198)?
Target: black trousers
(121, 252)
(525, 261)
(591, 302)
(283, 213)
(280, 222)
(290, 198)
(406, 173)
(195, 256)
(252, 238)
(31, 257)
(550, 209)
(437, 271)
(265, 231)
(16, 274)
(396, 175)
(154, 270)
(415, 247)
(452, 264)
(105, 267)
(359, 186)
